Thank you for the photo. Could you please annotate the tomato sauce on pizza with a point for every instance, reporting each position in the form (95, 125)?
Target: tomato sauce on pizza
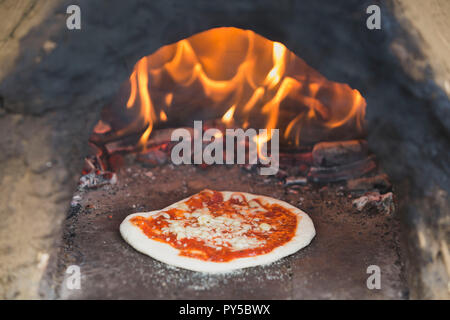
(210, 228)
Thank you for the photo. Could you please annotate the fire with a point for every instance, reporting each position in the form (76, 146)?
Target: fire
(168, 99)
(147, 110)
(275, 74)
(162, 116)
(266, 85)
(228, 116)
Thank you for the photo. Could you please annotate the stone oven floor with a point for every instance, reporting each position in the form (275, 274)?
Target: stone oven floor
(333, 266)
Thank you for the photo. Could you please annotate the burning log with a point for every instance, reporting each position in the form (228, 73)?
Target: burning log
(375, 202)
(126, 145)
(330, 154)
(104, 137)
(380, 182)
(154, 156)
(94, 173)
(291, 159)
(129, 144)
(162, 136)
(95, 160)
(343, 172)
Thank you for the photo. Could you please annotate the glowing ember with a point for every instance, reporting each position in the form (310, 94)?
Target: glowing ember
(247, 81)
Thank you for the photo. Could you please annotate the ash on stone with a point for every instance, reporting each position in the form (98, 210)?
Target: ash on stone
(374, 201)
(97, 179)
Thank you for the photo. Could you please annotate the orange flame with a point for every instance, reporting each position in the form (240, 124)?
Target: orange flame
(228, 116)
(262, 80)
(168, 99)
(133, 84)
(162, 116)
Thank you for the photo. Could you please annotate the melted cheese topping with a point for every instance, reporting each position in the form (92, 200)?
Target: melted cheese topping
(209, 228)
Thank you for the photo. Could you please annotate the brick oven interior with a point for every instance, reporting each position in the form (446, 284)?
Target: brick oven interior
(55, 85)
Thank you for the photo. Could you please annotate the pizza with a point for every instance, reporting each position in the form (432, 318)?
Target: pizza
(220, 231)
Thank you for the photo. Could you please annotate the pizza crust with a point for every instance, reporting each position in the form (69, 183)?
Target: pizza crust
(164, 252)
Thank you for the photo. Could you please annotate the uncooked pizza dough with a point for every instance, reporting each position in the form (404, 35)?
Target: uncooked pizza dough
(220, 231)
